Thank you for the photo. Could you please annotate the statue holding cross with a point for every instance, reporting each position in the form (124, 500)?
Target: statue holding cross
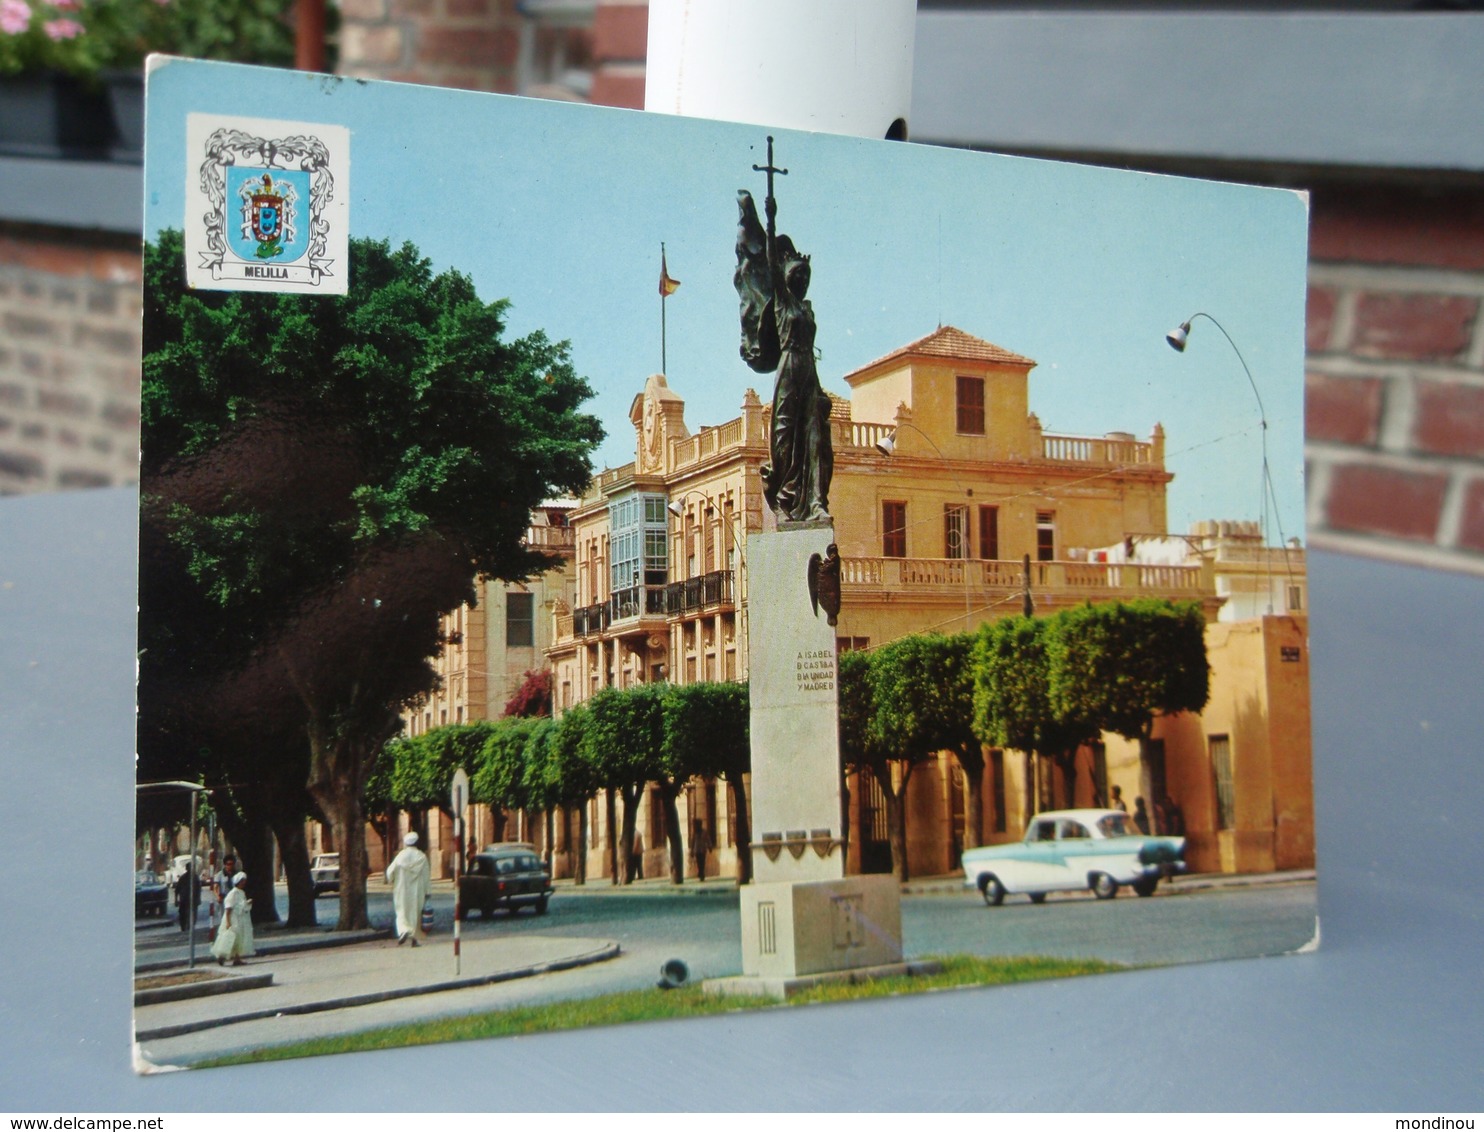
(772, 279)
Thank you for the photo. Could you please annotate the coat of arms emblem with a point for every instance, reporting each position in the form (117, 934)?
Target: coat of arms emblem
(273, 207)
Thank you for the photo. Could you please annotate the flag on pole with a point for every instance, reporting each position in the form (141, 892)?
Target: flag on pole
(668, 286)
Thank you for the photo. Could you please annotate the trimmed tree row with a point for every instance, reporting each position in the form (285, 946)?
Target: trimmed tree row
(615, 744)
(1040, 685)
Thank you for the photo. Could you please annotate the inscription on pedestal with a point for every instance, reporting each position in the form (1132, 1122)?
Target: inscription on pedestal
(814, 670)
(845, 915)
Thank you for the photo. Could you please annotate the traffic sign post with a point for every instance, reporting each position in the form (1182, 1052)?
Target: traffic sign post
(458, 800)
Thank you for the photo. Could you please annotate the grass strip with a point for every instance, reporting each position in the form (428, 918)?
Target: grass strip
(654, 1004)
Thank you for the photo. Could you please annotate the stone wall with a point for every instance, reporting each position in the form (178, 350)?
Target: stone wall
(69, 359)
(1395, 385)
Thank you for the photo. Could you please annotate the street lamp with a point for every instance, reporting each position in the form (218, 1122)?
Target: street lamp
(196, 790)
(1177, 339)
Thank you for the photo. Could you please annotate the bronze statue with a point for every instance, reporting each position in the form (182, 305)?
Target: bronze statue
(772, 279)
(824, 583)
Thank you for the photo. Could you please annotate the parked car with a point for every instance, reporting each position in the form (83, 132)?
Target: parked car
(151, 896)
(326, 873)
(504, 876)
(1069, 850)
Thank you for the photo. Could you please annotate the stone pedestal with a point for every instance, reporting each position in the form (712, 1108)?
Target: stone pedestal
(802, 917)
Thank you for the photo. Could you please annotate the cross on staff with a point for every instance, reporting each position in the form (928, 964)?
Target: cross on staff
(770, 204)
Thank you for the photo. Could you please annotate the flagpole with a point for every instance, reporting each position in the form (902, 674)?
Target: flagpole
(664, 369)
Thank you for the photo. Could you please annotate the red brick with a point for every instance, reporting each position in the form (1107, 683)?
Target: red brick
(364, 11)
(1450, 419)
(1398, 225)
(1471, 530)
(621, 33)
(1413, 327)
(618, 90)
(1342, 410)
(1383, 501)
(477, 46)
(1320, 318)
(360, 45)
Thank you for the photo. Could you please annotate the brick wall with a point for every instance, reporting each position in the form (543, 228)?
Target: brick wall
(69, 360)
(473, 44)
(1395, 383)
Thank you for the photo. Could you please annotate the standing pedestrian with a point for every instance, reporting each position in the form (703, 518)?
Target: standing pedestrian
(1118, 802)
(700, 845)
(234, 939)
(409, 874)
(1141, 816)
(187, 895)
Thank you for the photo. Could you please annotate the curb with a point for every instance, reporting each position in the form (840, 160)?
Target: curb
(284, 947)
(229, 985)
(609, 951)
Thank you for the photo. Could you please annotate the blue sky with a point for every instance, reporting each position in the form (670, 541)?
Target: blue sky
(562, 209)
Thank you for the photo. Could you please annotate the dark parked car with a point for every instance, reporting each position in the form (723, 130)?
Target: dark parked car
(150, 894)
(504, 876)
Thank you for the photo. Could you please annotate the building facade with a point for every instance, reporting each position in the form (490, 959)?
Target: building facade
(953, 506)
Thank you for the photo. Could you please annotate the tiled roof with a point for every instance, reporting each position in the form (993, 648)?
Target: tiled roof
(951, 342)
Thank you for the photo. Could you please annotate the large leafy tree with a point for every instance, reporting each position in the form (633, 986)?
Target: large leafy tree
(1122, 664)
(707, 735)
(330, 474)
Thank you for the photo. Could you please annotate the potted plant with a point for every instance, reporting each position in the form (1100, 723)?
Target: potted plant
(72, 71)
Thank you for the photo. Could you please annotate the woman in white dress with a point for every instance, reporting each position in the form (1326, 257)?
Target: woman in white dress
(234, 938)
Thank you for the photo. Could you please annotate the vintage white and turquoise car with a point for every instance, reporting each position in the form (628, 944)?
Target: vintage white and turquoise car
(1070, 850)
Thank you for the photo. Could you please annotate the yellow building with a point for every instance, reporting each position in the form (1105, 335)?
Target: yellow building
(951, 504)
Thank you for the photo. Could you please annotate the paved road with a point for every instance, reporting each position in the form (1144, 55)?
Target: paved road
(702, 928)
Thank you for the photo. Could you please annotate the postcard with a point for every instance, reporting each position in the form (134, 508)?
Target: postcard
(937, 618)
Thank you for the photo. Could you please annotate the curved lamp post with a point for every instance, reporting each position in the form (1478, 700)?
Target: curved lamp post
(1177, 339)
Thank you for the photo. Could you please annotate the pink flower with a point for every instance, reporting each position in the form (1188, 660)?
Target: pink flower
(63, 29)
(66, 5)
(15, 16)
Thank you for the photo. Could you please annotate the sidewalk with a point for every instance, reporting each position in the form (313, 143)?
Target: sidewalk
(359, 974)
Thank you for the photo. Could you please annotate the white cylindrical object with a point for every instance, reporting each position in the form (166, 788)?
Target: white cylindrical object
(837, 66)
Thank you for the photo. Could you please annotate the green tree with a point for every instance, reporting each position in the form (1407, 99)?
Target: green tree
(575, 778)
(902, 702)
(706, 736)
(1122, 664)
(1012, 699)
(499, 778)
(330, 474)
(624, 741)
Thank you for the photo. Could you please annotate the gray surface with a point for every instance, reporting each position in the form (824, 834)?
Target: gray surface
(71, 194)
(1344, 88)
(1386, 1016)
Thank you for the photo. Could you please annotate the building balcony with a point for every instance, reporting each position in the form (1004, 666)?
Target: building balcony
(1115, 449)
(876, 579)
(635, 604)
(709, 592)
(553, 540)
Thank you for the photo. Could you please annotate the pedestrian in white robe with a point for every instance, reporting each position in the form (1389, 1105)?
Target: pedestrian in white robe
(409, 874)
(234, 938)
